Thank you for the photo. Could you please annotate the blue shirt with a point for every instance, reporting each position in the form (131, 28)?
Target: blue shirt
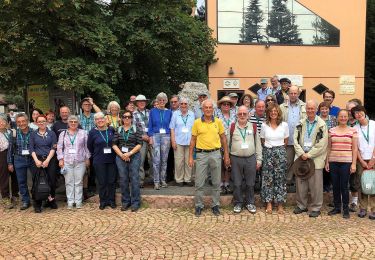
(180, 122)
(42, 144)
(293, 120)
(97, 141)
(333, 111)
(262, 94)
(159, 119)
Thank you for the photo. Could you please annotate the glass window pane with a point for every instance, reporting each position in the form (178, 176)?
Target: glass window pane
(230, 5)
(229, 35)
(230, 19)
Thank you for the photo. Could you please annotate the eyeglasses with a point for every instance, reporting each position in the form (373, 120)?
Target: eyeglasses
(226, 104)
(174, 102)
(42, 122)
(86, 104)
(127, 117)
(99, 118)
(183, 103)
(242, 114)
(73, 122)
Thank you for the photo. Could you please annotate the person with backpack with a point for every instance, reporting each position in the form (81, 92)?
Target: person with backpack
(73, 157)
(42, 149)
(245, 151)
(127, 142)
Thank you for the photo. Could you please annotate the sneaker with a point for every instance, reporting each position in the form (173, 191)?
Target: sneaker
(251, 208)
(38, 210)
(135, 209)
(180, 184)
(314, 214)
(156, 186)
(70, 206)
(228, 190)
(79, 205)
(297, 210)
(353, 207)
(372, 215)
(164, 184)
(215, 210)
(362, 213)
(25, 206)
(222, 190)
(198, 211)
(189, 184)
(53, 204)
(125, 207)
(237, 208)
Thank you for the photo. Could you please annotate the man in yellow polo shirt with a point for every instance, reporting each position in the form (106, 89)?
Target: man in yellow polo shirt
(208, 136)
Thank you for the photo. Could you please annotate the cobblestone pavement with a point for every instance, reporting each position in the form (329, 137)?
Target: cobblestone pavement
(90, 233)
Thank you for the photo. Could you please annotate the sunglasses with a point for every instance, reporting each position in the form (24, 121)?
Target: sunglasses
(226, 104)
(127, 117)
(269, 100)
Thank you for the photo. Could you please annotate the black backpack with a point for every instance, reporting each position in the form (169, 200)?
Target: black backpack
(41, 189)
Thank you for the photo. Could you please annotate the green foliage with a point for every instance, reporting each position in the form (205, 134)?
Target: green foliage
(106, 50)
(370, 57)
(253, 18)
(281, 25)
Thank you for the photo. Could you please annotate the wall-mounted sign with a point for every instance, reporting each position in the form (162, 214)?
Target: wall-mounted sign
(231, 83)
(347, 84)
(38, 97)
(297, 80)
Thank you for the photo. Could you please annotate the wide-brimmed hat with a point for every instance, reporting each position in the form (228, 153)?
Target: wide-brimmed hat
(140, 98)
(225, 99)
(303, 169)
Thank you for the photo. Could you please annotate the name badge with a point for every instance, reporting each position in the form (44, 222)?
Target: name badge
(250, 132)
(107, 150)
(72, 151)
(185, 130)
(146, 130)
(309, 144)
(25, 152)
(244, 146)
(162, 131)
(124, 149)
(226, 132)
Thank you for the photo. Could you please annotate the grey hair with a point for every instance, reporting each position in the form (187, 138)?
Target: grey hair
(111, 104)
(313, 102)
(258, 101)
(73, 117)
(162, 95)
(184, 99)
(22, 115)
(206, 101)
(275, 77)
(99, 114)
(3, 117)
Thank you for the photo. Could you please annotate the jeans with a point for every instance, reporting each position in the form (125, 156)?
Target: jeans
(128, 172)
(74, 181)
(21, 165)
(106, 180)
(162, 143)
(340, 174)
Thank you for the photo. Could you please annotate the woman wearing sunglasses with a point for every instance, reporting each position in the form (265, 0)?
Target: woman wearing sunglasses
(127, 143)
(270, 99)
(73, 157)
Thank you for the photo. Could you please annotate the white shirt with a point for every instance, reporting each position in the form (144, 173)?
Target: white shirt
(274, 137)
(364, 147)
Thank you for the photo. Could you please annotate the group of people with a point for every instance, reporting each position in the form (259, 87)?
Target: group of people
(228, 142)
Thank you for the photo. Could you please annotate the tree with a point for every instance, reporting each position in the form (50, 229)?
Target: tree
(370, 58)
(253, 18)
(326, 34)
(109, 50)
(281, 25)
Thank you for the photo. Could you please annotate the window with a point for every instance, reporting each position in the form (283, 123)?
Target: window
(272, 22)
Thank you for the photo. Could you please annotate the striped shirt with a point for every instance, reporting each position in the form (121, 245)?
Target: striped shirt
(341, 145)
(128, 139)
(258, 121)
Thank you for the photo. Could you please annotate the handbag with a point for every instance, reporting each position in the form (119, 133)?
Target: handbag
(368, 182)
(41, 188)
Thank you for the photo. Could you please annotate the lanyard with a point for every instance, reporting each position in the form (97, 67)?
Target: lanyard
(74, 137)
(125, 134)
(227, 122)
(114, 123)
(186, 119)
(161, 113)
(310, 129)
(144, 116)
(87, 121)
(368, 133)
(25, 141)
(243, 134)
(106, 133)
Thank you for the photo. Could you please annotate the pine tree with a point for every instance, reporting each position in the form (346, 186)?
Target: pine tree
(326, 34)
(281, 24)
(250, 31)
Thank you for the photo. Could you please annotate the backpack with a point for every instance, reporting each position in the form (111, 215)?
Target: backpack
(231, 131)
(368, 182)
(41, 189)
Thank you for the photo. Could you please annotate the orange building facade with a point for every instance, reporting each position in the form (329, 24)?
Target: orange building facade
(338, 65)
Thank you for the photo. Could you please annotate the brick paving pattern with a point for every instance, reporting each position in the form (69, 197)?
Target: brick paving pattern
(90, 233)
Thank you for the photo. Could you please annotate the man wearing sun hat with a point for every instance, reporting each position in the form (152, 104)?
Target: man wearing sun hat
(141, 115)
(264, 90)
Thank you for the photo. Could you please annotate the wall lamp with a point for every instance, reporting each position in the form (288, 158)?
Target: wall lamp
(267, 45)
(230, 71)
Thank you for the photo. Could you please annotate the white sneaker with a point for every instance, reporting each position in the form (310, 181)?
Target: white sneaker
(70, 206)
(237, 208)
(164, 184)
(78, 205)
(251, 208)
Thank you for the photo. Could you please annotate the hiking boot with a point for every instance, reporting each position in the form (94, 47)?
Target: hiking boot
(314, 214)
